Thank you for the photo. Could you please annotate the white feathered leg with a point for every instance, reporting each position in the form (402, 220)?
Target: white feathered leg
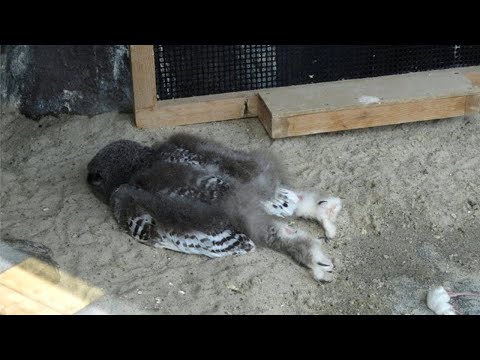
(308, 205)
(304, 249)
(322, 208)
(283, 204)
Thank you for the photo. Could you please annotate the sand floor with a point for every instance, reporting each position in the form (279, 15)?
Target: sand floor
(411, 218)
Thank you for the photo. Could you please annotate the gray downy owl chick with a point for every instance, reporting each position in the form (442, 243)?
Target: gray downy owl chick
(199, 197)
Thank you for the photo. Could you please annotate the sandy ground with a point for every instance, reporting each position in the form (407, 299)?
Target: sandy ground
(411, 218)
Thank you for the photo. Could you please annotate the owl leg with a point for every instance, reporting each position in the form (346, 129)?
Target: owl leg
(308, 205)
(133, 216)
(283, 203)
(303, 248)
(322, 208)
(142, 228)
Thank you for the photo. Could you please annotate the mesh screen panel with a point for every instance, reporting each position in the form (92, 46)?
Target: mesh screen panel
(193, 70)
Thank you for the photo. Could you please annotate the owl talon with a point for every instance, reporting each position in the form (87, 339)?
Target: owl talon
(142, 227)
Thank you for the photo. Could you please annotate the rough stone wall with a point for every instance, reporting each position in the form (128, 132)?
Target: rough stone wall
(40, 80)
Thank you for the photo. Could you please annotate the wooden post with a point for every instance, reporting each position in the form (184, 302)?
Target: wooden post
(143, 78)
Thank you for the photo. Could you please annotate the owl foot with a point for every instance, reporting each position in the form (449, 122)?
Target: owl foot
(324, 209)
(283, 204)
(142, 228)
(306, 250)
(322, 266)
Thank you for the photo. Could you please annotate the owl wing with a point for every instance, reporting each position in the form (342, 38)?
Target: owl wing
(182, 156)
(212, 244)
(206, 188)
(177, 223)
(182, 180)
(189, 149)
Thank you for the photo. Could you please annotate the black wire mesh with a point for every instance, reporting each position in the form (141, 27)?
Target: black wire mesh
(193, 70)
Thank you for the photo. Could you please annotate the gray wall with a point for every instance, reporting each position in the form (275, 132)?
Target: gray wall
(40, 80)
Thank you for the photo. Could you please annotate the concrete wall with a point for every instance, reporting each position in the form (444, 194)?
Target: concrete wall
(40, 80)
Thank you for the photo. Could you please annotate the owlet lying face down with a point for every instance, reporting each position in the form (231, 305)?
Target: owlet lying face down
(198, 197)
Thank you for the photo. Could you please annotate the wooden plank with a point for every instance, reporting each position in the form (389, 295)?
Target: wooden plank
(67, 297)
(328, 96)
(472, 102)
(143, 77)
(199, 110)
(375, 116)
(150, 113)
(265, 116)
(472, 106)
(474, 77)
(14, 303)
(394, 99)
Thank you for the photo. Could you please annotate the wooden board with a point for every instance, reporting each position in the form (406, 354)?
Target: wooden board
(373, 116)
(336, 106)
(23, 291)
(15, 303)
(150, 113)
(472, 106)
(199, 110)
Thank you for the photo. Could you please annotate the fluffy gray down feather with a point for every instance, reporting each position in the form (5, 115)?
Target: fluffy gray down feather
(188, 194)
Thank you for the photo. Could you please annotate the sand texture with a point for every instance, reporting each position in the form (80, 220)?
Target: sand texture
(411, 218)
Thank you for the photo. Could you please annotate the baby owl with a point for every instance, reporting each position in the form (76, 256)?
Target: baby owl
(198, 197)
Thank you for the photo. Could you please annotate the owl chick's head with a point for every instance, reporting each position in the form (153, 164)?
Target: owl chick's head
(115, 164)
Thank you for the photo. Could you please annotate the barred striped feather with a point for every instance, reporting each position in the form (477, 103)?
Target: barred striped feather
(180, 155)
(224, 243)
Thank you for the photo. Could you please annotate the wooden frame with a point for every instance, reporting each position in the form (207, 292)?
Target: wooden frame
(151, 113)
(332, 106)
